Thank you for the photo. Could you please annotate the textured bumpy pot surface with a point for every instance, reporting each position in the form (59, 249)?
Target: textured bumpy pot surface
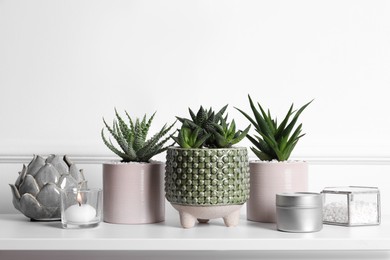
(201, 178)
(269, 178)
(133, 193)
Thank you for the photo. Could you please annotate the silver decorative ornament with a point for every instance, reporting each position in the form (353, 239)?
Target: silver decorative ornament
(36, 192)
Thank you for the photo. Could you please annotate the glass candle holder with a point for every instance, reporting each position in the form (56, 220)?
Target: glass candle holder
(81, 208)
(351, 206)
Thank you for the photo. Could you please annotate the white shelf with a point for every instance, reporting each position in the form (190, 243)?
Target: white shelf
(18, 233)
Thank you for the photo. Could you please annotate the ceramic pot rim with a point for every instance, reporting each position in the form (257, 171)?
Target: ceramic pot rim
(152, 162)
(277, 162)
(207, 205)
(205, 149)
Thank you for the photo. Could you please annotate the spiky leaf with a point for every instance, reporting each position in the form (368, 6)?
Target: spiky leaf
(132, 138)
(208, 129)
(274, 141)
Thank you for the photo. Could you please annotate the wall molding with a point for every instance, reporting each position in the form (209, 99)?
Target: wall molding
(316, 160)
(78, 159)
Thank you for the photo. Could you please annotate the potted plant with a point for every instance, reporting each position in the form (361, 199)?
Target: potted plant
(206, 177)
(273, 172)
(133, 189)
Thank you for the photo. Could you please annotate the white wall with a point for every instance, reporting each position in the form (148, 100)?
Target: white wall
(66, 64)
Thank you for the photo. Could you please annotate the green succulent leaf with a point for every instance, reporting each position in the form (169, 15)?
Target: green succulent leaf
(190, 137)
(220, 113)
(240, 135)
(193, 116)
(112, 147)
(274, 142)
(132, 138)
(262, 124)
(209, 129)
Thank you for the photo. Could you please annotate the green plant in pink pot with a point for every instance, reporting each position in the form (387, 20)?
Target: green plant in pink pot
(273, 173)
(133, 188)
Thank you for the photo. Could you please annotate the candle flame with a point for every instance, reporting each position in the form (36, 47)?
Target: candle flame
(79, 199)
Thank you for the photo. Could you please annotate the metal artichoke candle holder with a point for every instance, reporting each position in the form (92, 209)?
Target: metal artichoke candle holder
(36, 192)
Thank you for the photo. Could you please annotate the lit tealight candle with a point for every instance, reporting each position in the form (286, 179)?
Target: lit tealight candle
(80, 213)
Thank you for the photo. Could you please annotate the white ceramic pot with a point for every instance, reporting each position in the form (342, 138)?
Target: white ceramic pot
(133, 193)
(269, 178)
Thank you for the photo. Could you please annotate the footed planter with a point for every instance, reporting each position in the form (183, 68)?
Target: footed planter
(204, 184)
(133, 193)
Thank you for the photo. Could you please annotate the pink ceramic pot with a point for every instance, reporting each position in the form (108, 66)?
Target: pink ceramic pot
(267, 179)
(133, 193)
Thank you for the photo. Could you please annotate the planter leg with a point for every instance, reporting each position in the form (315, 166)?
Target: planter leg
(232, 219)
(203, 221)
(187, 220)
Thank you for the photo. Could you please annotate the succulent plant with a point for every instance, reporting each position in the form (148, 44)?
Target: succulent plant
(190, 137)
(274, 141)
(208, 129)
(36, 192)
(131, 138)
(226, 135)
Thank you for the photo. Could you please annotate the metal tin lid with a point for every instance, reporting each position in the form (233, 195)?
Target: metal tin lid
(299, 199)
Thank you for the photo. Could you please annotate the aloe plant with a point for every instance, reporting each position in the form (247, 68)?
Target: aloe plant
(274, 141)
(209, 129)
(132, 138)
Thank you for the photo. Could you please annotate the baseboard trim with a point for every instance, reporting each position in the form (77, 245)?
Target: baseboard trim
(316, 160)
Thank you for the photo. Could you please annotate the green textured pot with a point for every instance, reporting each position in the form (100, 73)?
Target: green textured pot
(203, 184)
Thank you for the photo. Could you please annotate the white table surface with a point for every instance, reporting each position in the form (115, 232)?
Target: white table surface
(18, 233)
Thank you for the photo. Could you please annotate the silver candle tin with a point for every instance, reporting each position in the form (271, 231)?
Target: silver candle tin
(299, 212)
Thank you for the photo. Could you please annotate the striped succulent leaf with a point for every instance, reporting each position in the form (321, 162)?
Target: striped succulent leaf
(132, 138)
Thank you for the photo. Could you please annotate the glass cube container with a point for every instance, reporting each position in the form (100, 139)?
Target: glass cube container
(351, 206)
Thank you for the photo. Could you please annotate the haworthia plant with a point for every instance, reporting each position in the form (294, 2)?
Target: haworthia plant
(132, 138)
(208, 129)
(274, 141)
